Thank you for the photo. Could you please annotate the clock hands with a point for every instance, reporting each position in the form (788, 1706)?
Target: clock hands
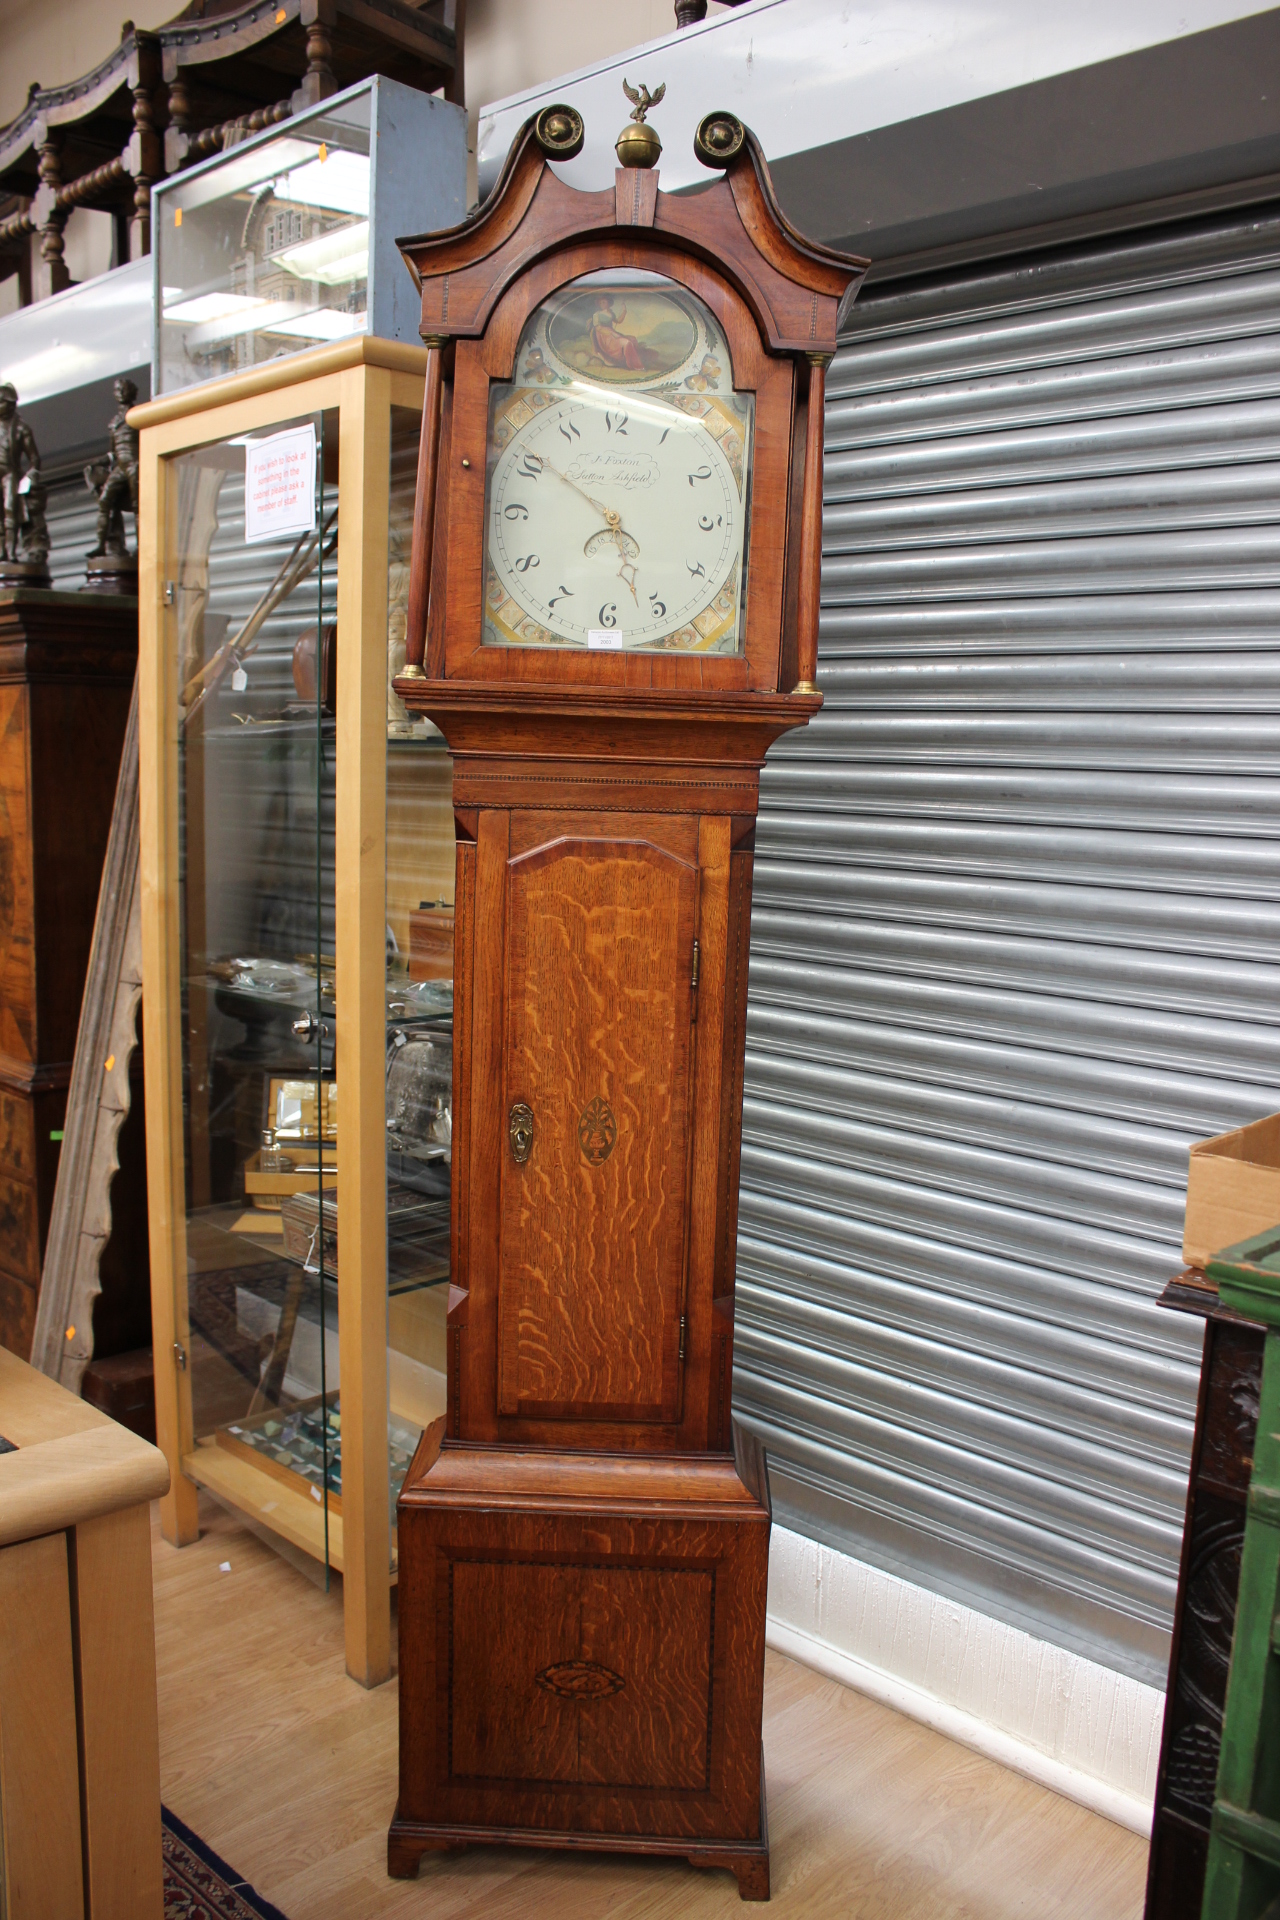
(626, 568)
(628, 553)
(628, 549)
(607, 514)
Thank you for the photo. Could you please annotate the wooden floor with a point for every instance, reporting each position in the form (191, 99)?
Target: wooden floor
(288, 1770)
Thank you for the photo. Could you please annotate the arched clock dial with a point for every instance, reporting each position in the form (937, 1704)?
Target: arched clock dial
(619, 465)
(614, 523)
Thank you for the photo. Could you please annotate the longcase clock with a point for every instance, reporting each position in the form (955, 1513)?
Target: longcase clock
(613, 614)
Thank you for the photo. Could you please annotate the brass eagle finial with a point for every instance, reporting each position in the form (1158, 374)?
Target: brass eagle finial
(638, 145)
(642, 99)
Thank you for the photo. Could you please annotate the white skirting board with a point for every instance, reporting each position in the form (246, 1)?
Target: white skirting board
(1079, 1728)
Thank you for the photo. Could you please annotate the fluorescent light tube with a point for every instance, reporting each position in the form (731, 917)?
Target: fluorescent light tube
(211, 306)
(333, 259)
(323, 323)
(340, 182)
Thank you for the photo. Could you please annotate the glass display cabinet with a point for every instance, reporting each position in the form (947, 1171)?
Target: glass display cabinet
(297, 846)
(288, 239)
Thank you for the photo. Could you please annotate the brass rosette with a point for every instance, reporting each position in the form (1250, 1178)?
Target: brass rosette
(720, 138)
(559, 131)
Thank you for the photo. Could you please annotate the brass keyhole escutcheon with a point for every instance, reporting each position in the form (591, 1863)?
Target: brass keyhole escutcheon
(597, 1131)
(520, 1132)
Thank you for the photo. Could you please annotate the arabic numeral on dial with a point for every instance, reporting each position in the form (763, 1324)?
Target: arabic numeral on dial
(657, 607)
(696, 570)
(531, 466)
(608, 614)
(565, 593)
(709, 525)
(617, 423)
(699, 473)
(529, 560)
(569, 431)
(516, 511)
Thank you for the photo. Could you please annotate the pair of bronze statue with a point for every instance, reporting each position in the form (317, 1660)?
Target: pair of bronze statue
(24, 529)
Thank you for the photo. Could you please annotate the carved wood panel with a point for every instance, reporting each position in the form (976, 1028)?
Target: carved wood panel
(599, 1048)
(582, 1675)
(1200, 1687)
(1231, 1409)
(1221, 1464)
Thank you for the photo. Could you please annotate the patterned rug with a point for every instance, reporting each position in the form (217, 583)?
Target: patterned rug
(200, 1886)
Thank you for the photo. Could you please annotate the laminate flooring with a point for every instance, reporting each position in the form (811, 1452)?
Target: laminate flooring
(288, 1769)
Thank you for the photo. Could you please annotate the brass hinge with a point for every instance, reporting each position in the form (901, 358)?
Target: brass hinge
(693, 983)
(684, 1328)
(169, 593)
(180, 1356)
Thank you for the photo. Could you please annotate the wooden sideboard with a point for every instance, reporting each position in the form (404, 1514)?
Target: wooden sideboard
(67, 664)
(1221, 1463)
(79, 1739)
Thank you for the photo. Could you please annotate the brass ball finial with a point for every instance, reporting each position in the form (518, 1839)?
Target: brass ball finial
(637, 144)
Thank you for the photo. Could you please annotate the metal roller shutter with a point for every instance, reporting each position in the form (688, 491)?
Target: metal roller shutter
(72, 516)
(1017, 925)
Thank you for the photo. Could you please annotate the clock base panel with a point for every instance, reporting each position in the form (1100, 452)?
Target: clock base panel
(582, 1653)
(746, 1860)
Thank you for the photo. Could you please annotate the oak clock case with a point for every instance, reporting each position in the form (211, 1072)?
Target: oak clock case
(610, 629)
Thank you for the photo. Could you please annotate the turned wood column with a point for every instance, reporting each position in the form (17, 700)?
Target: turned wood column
(178, 133)
(319, 80)
(50, 268)
(144, 156)
(424, 511)
(811, 531)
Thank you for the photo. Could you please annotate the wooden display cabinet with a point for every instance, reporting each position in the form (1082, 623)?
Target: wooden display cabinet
(67, 664)
(290, 821)
(612, 615)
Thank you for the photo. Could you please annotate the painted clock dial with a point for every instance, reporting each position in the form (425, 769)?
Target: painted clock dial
(619, 469)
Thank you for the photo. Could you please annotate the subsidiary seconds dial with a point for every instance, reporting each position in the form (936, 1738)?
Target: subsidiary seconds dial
(616, 521)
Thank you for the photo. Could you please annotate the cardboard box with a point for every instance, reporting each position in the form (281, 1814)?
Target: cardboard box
(1233, 1189)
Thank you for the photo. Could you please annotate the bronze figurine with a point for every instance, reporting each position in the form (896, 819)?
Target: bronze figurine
(24, 532)
(111, 568)
(115, 479)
